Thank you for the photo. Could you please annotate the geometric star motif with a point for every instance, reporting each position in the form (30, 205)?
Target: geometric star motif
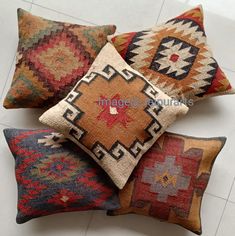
(108, 114)
(165, 179)
(56, 168)
(54, 140)
(174, 58)
(64, 197)
(114, 112)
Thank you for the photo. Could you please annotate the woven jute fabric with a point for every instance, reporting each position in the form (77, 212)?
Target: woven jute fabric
(52, 56)
(176, 58)
(96, 116)
(170, 180)
(54, 175)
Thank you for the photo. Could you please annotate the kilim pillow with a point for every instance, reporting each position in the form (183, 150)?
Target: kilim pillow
(52, 56)
(114, 114)
(170, 180)
(176, 58)
(54, 175)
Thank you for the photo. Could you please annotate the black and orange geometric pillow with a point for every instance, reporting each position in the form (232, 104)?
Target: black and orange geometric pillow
(176, 58)
(52, 56)
(114, 114)
(170, 180)
(54, 175)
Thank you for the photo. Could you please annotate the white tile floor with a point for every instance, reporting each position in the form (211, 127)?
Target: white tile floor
(211, 117)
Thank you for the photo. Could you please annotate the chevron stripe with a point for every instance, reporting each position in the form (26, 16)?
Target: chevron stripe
(140, 50)
(184, 27)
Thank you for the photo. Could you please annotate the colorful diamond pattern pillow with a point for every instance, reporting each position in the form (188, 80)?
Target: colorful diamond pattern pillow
(52, 56)
(170, 180)
(176, 58)
(54, 175)
(100, 116)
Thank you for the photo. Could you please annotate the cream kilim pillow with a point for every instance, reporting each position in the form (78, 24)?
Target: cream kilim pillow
(114, 114)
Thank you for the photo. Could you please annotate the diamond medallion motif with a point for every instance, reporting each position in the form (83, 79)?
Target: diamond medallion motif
(166, 179)
(174, 58)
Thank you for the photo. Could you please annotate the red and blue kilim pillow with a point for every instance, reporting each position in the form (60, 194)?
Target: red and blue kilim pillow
(54, 175)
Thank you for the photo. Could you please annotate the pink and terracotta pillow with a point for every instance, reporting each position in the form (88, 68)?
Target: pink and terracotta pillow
(176, 58)
(114, 114)
(170, 180)
(52, 56)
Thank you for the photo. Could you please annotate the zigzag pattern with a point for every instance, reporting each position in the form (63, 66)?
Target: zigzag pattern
(135, 56)
(205, 76)
(176, 58)
(169, 89)
(186, 28)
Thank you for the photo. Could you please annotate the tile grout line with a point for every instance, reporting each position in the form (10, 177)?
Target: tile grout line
(225, 68)
(213, 195)
(231, 201)
(217, 229)
(5, 125)
(13, 60)
(8, 74)
(27, 1)
(233, 185)
(89, 223)
(65, 14)
(160, 11)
